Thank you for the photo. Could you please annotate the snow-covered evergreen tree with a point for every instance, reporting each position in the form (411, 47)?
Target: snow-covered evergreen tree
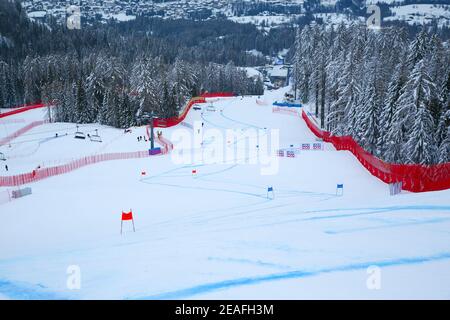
(444, 148)
(421, 146)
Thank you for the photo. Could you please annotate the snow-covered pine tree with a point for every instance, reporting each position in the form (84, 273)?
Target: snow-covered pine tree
(103, 116)
(145, 86)
(444, 118)
(368, 114)
(390, 105)
(341, 117)
(421, 146)
(444, 148)
(418, 92)
(418, 49)
(83, 114)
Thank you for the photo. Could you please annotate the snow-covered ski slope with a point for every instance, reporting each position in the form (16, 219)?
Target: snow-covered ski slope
(215, 234)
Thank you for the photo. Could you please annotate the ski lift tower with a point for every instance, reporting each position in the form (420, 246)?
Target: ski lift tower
(149, 117)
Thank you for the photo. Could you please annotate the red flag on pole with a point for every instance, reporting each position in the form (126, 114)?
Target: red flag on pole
(127, 216)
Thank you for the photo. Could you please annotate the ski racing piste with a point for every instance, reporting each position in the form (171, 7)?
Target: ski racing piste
(43, 173)
(39, 174)
(224, 231)
(414, 177)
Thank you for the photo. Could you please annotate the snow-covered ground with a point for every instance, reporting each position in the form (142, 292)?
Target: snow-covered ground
(419, 14)
(337, 18)
(41, 147)
(265, 21)
(216, 234)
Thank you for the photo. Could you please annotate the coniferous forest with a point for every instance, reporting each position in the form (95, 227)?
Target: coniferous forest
(111, 74)
(391, 93)
(388, 88)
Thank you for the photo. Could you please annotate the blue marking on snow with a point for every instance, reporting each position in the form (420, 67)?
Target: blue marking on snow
(212, 123)
(251, 262)
(240, 122)
(378, 210)
(281, 192)
(21, 291)
(337, 216)
(207, 189)
(232, 283)
(391, 225)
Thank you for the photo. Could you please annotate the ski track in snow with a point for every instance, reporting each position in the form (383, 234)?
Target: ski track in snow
(237, 237)
(221, 285)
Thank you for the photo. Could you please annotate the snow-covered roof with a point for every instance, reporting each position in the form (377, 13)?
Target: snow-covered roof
(252, 72)
(278, 71)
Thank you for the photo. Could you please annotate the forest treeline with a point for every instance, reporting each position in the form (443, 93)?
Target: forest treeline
(389, 92)
(111, 74)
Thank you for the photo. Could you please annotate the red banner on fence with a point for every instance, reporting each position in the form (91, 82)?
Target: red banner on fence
(414, 177)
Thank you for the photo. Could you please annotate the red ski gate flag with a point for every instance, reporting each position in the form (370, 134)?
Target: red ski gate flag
(127, 216)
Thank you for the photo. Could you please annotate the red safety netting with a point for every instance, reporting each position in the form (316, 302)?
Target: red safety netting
(289, 111)
(167, 146)
(21, 131)
(414, 177)
(261, 103)
(43, 173)
(173, 121)
(39, 174)
(21, 109)
(217, 94)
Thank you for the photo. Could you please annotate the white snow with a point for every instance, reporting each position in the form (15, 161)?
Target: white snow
(269, 20)
(420, 14)
(37, 14)
(217, 235)
(278, 71)
(368, 2)
(41, 147)
(337, 18)
(119, 16)
(255, 53)
(252, 72)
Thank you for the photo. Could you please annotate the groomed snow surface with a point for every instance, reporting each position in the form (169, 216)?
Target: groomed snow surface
(216, 234)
